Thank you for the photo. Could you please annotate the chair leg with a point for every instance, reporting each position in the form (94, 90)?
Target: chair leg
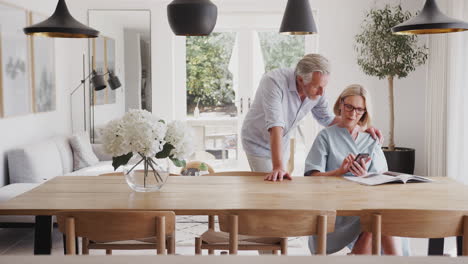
(376, 234)
(198, 243)
(171, 244)
(108, 251)
(211, 222)
(284, 246)
(161, 235)
(70, 235)
(84, 246)
(233, 232)
(322, 235)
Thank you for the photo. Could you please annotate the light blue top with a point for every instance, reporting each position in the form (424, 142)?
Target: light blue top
(333, 144)
(277, 103)
(330, 148)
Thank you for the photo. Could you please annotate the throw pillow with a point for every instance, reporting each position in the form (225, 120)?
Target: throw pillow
(83, 155)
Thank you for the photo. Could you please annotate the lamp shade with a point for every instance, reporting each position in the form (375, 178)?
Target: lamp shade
(192, 17)
(98, 81)
(61, 25)
(430, 21)
(113, 81)
(298, 19)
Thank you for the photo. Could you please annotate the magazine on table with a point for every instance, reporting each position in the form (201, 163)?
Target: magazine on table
(387, 177)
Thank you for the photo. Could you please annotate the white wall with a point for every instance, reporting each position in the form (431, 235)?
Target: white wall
(34, 127)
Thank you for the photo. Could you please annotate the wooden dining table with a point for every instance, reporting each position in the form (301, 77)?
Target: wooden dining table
(211, 195)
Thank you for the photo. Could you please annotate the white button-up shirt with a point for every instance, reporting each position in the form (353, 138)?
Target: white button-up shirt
(278, 104)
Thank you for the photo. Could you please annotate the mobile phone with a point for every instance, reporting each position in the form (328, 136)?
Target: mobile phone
(361, 156)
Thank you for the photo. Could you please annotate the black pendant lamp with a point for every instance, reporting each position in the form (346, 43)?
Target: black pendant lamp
(430, 21)
(298, 19)
(192, 17)
(61, 25)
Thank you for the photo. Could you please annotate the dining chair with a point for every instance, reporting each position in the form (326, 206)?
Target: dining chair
(195, 165)
(415, 224)
(119, 230)
(211, 218)
(266, 230)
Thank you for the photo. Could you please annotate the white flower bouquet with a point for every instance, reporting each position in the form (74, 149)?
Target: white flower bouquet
(139, 132)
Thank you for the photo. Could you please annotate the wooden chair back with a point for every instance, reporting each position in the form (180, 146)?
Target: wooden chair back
(116, 226)
(414, 223)
(278, 223)
(237, 173)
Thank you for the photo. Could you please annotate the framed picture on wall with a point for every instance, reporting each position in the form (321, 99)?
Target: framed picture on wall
(110, 66)
(15, 86)
(43, 70)
(99, 66)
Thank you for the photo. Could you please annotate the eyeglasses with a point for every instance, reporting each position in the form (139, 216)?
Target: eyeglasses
(350, 108)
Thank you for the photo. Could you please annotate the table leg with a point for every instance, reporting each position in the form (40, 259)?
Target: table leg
(43, 235)
(436, 247)
(459, 246)
(77, 246)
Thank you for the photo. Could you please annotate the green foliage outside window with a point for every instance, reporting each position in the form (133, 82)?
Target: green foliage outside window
(208, 78)
(281, 51)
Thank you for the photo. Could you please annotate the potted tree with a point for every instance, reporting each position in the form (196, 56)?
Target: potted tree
(386, 56)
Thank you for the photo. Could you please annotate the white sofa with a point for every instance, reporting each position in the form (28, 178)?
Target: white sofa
(33, 164)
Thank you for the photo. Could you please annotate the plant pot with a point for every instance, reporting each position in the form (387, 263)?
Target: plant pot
(148, 175)
(400, 160)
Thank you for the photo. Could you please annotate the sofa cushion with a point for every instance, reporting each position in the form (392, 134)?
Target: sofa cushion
(10, 191)
(66, 153)
(83, 155)
(34, 163)
(95, 170)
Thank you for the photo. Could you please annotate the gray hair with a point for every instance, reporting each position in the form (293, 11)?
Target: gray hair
(312, 63)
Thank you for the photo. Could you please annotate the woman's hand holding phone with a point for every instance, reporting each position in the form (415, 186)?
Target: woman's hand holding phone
(359, 165)
(344, 168)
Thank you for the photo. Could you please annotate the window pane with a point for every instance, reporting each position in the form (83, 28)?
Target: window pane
(209, 81)
(281, 51)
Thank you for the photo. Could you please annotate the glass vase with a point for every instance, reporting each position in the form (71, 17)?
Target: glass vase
(147, 175)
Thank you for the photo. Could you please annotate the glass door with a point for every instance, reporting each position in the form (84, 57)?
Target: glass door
(223, 73)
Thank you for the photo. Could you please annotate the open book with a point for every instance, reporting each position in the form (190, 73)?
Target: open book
(387, 177)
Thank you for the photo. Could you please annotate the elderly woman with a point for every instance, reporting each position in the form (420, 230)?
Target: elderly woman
(333, 154)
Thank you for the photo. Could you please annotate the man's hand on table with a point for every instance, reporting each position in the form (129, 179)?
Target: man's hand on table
(278, 175)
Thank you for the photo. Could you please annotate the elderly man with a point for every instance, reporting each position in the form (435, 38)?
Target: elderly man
(283, 98)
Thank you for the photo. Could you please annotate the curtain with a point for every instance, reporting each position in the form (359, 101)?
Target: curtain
(436, 113)
(457, 97)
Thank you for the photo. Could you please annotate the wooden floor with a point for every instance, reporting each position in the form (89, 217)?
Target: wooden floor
(19, 241)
